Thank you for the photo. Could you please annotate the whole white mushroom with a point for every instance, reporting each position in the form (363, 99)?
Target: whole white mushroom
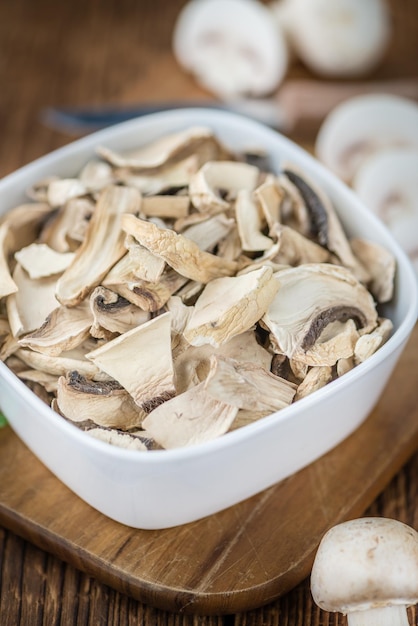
(233, 48)
(336, 37)
(367, 568)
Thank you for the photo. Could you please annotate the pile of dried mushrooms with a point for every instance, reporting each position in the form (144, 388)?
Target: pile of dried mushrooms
(167, 296)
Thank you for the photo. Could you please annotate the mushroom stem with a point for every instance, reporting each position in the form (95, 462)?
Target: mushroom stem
(382, 616)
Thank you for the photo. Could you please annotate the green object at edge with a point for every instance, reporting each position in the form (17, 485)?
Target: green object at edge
(3, 420)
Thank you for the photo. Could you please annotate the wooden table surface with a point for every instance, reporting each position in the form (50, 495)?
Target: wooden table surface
(119, 51)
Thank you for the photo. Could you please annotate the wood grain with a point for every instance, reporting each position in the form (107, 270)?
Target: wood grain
(119, 51)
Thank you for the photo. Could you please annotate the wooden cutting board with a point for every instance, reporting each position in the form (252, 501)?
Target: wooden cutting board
(238, 559)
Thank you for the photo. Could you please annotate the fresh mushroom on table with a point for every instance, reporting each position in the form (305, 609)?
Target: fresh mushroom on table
(367, 568)
(343, 38)
(234, 49)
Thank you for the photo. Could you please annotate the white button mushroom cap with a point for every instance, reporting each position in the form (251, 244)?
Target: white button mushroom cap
(363, 125)
(367, 563)
(338, 38)
(388, 185)
(232, 47)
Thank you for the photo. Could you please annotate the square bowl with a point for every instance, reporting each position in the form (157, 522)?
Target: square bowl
(164, 488)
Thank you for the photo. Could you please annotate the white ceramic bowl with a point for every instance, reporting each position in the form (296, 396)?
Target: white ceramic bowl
(169, 487)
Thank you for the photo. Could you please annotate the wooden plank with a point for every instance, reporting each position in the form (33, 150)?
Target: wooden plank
(240, 558)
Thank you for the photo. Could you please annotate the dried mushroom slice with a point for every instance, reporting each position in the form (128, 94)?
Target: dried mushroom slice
(367, 345)
(29, 307)
(39, 189)
(96, 175)
(192, 363)
(310, 298)
(169, 178)
(217, 183)
(270, 198)
(62, 190)
(48, 381)
(18, 228)
(104, 403)
(230, 247)
(248, 386)
(144, 264)
(149, 296)
(293, 210)
(210, 232)
(336, 341)
(180, 314)
(295, 249)
(267, 259)
(167, 207)
(23, 224)
(138, 264)
(344, 365)
(130, 441)
(317, 207)
(102, 247)
(315, 378)
(66, 228)
(190, 418)
(230, 306)
(181, 253)
(39, 260)
(249, 223)
(63, 330)
(194, 217)
(60, 365)
(244, 418)
(324, 223)
(15, 364)
(380, 264)
(299, 369)
(141, 361)
(113, 313)
(168, 149)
